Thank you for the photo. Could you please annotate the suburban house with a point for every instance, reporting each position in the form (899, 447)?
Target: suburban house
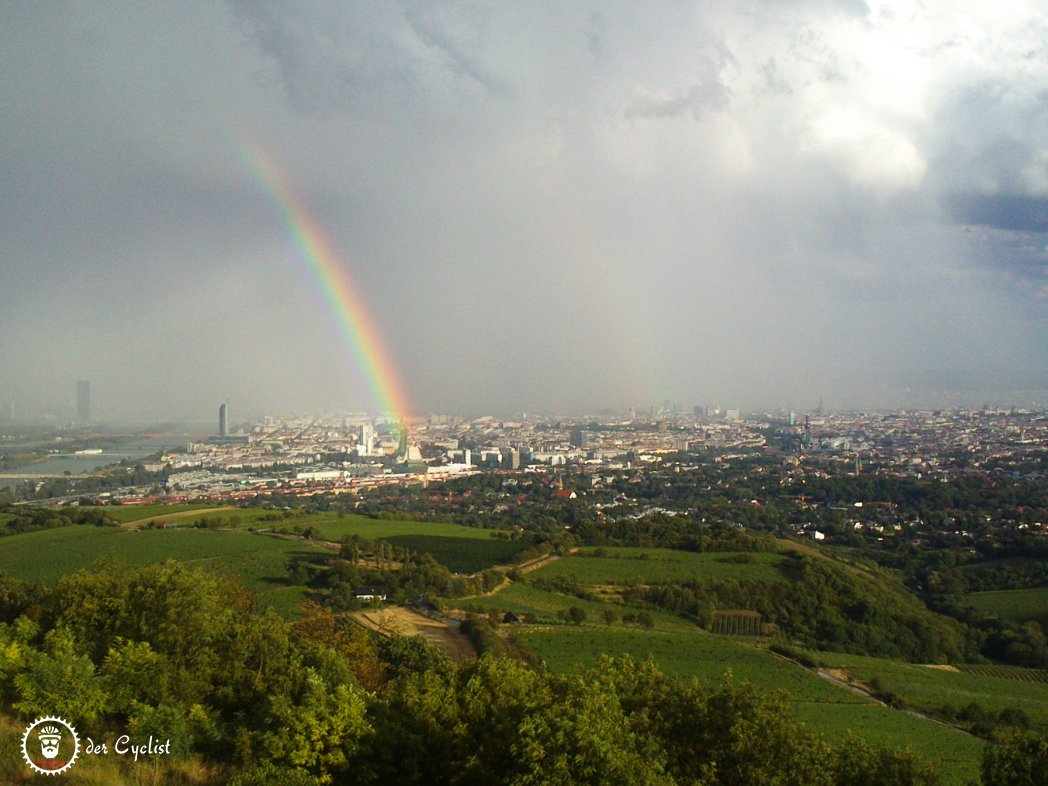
(371, 593)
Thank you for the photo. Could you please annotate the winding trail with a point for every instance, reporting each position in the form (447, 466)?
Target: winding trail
(831, 676)
(524, 567)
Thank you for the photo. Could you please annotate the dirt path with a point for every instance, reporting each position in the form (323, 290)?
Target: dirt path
(524, 567)
(405, 622)
(186, 514)
(838, 678)
(842, 680)
(496, 590)
(542, 562)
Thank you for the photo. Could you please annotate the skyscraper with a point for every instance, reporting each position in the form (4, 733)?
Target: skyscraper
(83, 401)
(367, 438)
(510, 458)
(223, 420)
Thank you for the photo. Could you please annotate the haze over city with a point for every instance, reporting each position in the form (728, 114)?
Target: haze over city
(563, 207)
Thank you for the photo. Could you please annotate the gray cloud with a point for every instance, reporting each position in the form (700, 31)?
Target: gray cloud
(1002, 211)
(544, 205)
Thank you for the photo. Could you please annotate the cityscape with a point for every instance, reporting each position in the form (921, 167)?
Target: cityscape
(524, 394)
(348, 455)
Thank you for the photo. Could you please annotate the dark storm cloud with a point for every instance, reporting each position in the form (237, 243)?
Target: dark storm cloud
(1001, 211)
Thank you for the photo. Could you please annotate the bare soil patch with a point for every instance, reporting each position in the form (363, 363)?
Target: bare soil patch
(397, 620)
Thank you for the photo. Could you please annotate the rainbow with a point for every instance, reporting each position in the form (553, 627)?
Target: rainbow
(323, 264)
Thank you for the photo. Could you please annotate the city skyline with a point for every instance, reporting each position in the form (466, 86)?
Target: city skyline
(474, 210)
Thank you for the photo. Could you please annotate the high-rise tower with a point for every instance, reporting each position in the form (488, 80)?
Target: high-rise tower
(223, 419)
(367, 438)
(83, 401)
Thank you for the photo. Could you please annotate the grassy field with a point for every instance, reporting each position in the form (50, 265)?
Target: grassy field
(126, 513)
(1018, 605)
(620, 565)
(461, 549)
(929, 690)
(1006, 672)
(830, 709)
(956, 756)
(524, 599)
(681, 653)
(258, 562)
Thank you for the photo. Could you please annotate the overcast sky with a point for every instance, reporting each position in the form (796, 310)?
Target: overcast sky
(556, 206)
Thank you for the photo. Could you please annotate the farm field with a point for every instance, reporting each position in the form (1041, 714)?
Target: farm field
(1007, 672)
(524, 599)
(460, 549)
(258, 562)
(126, 513)
(830, 709)
(1018, 605)
(623, 564)
(681, 653)
(956, 755)
(928, 689)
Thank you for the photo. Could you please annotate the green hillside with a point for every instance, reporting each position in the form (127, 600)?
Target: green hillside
(948, 693)
(460, 549)
(1015, 605)
(618, 565)
(257, 561)
(832, 710)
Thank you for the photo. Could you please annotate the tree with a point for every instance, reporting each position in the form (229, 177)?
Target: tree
(584, 737)
(1020, 760)
(133, 673)
(576, 615)
(609, 616)
(320, 730)
(59, 681)
(858, 764)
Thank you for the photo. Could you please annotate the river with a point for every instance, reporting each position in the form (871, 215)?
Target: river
(60, 464)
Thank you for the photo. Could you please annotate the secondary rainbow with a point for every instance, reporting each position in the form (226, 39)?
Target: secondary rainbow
(331, 275)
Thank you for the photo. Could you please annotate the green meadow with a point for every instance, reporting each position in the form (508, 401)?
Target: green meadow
(1019, 605)
(956, 755)
(931, 689)
(257, 561)
(460, 549)
(832, 710)
(620, 565)
(126, 513)
(544, 604)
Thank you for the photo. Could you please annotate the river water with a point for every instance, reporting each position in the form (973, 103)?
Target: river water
(77, 465)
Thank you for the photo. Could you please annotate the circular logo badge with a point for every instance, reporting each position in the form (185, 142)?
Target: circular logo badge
(50, 745)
